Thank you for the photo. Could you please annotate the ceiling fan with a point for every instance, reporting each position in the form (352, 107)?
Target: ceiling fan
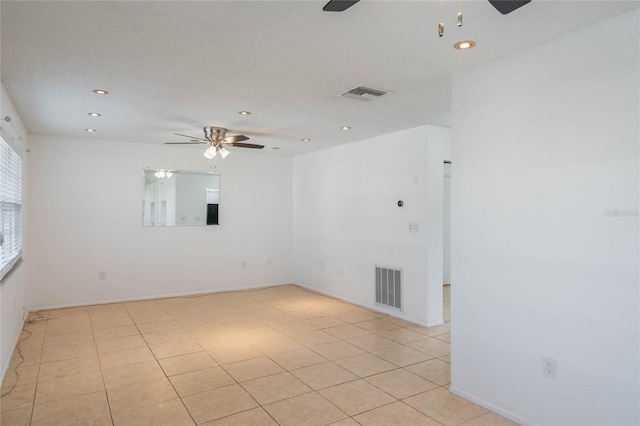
(503, 6)
(216, 138)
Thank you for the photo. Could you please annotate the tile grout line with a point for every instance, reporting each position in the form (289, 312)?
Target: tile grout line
(35, 391)
(104, 383)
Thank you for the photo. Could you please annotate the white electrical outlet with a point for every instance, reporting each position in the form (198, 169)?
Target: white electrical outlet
(414, 227)
(102, 275)
(549, 368)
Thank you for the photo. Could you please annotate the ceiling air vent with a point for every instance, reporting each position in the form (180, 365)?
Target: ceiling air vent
(363, 93)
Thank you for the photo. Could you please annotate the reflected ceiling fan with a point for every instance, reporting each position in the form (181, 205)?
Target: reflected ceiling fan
(503, 6)
(216, 138)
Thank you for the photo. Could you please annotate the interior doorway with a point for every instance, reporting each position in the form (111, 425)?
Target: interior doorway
(446, 273)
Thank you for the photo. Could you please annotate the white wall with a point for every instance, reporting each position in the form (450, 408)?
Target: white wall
(446, 278)
(346, 218)
(14, 290)
(544, 143)
(439, 150)
(86, 217)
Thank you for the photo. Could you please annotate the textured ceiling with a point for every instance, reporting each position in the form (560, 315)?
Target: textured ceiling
(176, 66)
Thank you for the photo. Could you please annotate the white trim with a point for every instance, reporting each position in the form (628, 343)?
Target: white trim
(376, 308)
(158, 296)
(491, 407)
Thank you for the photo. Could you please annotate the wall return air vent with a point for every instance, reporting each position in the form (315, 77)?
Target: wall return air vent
(363, 93)
(389, 287)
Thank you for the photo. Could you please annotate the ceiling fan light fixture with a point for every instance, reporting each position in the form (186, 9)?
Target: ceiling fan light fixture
(224, 152)
(159, 174)
(214, 137)
(168, 174)
(465, 45)
(210, 153)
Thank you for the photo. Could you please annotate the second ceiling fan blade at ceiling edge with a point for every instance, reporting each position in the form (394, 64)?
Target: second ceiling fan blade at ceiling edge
(339, 5)
(503, 6)
(508, 6)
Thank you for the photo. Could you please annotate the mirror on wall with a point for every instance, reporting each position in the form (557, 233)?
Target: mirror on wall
(180, 198)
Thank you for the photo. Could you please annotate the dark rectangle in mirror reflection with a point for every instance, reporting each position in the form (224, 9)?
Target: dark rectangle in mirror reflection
(212, 214)
(180, 198)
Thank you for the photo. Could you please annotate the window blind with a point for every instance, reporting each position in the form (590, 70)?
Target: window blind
(10, 208)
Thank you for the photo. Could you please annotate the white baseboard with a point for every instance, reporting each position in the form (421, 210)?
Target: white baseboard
(251, 287)
(491, 407)
(376, 308)
(151, 297)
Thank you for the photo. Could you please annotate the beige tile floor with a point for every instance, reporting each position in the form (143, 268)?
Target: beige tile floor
(279, 355)
(446, 301)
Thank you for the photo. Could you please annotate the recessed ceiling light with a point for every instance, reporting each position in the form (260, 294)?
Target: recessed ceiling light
(465, 45)
(345, 128)
(276, 147)
(95, 114)
(245, 113)
(306, 140)
(100, 92)
(90, 130)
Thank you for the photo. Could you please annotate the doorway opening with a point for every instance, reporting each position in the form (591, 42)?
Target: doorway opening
(446, 273)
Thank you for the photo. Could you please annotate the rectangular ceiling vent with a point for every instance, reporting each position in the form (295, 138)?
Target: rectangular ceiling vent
(389, 287)
(363, 93)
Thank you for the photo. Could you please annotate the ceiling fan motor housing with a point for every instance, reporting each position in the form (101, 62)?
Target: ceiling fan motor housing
(214, 133)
